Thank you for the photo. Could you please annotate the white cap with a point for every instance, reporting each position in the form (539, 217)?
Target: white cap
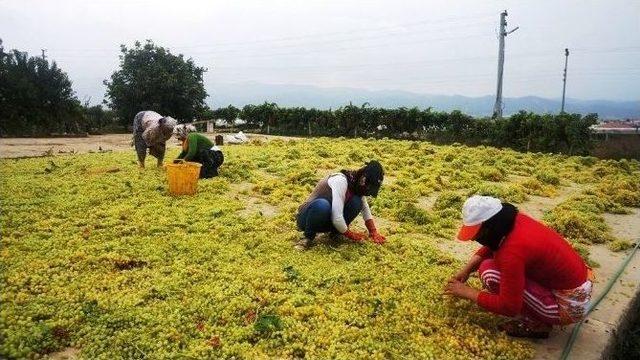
(477, 209)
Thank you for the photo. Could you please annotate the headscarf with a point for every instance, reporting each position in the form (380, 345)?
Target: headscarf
(497, 227)
(160, 131)
(181, 131)
(374, 174)
(166, 125)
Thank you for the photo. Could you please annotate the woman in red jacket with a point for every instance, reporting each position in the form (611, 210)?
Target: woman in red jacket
(528, 270)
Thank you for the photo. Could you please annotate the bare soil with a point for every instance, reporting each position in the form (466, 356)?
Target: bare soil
(32, 147)
(536, 206)
(66, 354)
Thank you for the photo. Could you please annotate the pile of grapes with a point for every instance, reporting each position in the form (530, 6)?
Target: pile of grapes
(96, 255)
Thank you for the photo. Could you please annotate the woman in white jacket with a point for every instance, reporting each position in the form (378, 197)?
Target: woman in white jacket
(336, 201)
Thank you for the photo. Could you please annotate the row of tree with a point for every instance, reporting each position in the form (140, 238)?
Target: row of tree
(525, 131)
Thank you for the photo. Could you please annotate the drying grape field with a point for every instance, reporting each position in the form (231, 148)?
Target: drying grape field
(98, 260)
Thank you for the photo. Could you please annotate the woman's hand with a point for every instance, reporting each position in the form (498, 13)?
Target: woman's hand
(377, 238)
(459, 289)
(462, 276)
(355, 236)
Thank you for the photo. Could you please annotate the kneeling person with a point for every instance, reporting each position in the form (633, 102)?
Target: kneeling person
(198, 148)
(528, 270)
(336, 201)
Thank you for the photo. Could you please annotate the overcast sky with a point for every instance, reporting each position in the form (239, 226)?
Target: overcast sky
(431, 47)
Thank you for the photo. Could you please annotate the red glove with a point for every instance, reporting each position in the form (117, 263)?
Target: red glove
(373, 232)
(355, 236)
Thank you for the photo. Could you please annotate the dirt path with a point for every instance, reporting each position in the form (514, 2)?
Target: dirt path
(30, 147)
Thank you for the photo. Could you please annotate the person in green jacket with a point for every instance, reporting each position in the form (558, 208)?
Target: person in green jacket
(198, 148)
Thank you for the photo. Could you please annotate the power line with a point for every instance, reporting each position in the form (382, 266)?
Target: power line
(335, 41)
(444, 21)
(213, 54)
(268, 51)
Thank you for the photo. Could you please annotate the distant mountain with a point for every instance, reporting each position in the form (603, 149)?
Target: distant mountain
(323, 98)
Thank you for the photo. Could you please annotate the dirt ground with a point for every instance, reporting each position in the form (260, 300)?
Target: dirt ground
(30, 147)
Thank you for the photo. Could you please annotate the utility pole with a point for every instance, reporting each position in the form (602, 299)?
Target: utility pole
(44, 57)
(564, 78)
(497, 108)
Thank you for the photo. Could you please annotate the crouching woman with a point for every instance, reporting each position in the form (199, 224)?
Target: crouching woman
(528, 270)
(336, 201)
(198, 148)
(151, 131)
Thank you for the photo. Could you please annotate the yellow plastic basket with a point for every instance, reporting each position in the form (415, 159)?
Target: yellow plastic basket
(183, 177)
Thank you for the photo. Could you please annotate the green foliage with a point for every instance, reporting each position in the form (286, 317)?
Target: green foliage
(36, 97)
(152, 78)
(101, 120)
(525, 131)
(229, 114)
(267, 325)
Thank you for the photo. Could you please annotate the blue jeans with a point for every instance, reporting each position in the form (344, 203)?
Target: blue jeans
(316, 218)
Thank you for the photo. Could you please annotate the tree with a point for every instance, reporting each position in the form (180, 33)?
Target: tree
(99, 120)
(36, 97)
(152, 78)
(351, 117)
(229, 114)
(268, 113)
(578, 133)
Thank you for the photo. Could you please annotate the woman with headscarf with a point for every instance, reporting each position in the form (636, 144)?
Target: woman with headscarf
(336, 201)
(151, 131)
(528, 270)
(198, 148)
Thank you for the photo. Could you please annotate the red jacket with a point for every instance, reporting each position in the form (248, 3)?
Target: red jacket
(532, 251)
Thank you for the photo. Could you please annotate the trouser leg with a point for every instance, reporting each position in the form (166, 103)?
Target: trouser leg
(352, 208)
(539, 303)
(316, 218)
(158, 151)
(138, 142)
